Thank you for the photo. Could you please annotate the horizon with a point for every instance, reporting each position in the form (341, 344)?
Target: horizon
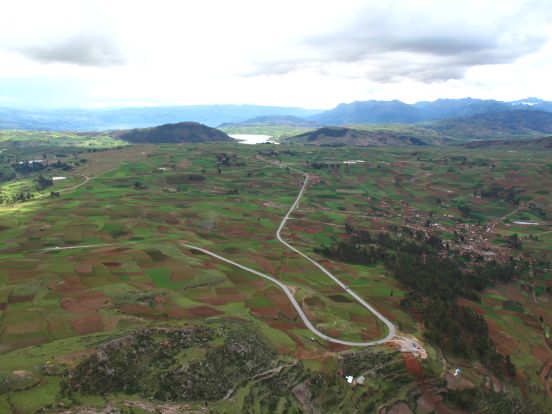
(94, 55)
(99, 108)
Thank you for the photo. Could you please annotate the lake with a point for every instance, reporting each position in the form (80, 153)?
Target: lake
(252, 138)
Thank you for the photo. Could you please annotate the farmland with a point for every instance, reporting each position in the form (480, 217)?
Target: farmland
(107, 257)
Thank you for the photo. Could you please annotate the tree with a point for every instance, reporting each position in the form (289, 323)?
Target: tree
(43, 182)
(514, 242)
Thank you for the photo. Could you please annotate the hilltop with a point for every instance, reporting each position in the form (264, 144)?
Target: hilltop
(183, 132)
(340, 136)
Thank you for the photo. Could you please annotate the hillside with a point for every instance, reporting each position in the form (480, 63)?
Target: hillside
(369, 112)
(341, 136)
(540, 143)
(360, 112)
(378, 112)
(273, 120)
(503, 125)
(183, 132)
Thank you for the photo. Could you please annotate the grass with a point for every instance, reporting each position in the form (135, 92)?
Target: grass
(138, 287)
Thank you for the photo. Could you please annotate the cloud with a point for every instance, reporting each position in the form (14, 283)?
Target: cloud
(82, 49)
(425, 41)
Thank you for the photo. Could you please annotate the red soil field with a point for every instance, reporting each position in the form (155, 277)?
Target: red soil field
(20, 298)
(24, 328)
(541, 353)
(429, 401)
(83, 267)
(328, 265)
(112, 264)
(270, 313)
(222, 299)
(312, 229)
(399, 408)
(178, 313)
(71, 305)
(85, 301)
(336, 347)
(205, 311)
(266, 265)
(369, 319)
(137, 309)
(282, 325)
(69, 284)
(413, 365)
(503, 343)
(88, 324)
(467, 303)
(530, 321)
(281, 302)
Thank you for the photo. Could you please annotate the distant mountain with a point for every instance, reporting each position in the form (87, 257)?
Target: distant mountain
(183, 132)
(381, 112)
(360, 112)
(503, 125)
(273, 120)
(537, 144)
(528, 101)
(340, 136)
(459, 108)
(370, 112)
(125, 118)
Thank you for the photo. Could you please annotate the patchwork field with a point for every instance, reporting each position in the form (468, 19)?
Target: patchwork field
(106, 256)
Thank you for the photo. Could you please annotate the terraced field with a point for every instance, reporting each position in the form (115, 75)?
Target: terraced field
(110, 255)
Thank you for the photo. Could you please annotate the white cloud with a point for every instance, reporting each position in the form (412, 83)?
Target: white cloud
(308, 53)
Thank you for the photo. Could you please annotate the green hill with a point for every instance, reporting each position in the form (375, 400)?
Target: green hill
(370, 137)
(499, 125)
(183, 132)
(540, 143)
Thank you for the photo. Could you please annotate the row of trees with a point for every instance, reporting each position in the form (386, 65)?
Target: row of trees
(435, 277)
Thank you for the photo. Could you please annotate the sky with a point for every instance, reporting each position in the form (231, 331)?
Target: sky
(312, 54)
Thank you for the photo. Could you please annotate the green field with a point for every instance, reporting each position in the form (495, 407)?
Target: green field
(106, 257)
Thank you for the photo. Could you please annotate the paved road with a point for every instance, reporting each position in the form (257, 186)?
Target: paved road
(291, 298)
(390, 327)
(84, 246)
(391, 330)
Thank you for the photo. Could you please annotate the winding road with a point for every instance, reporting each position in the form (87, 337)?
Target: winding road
(391, 330)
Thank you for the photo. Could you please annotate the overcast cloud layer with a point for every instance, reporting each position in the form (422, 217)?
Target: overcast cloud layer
(301, 53)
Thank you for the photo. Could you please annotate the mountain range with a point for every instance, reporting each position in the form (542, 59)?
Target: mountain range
(360, 112)
(377, 112)
(137, 117)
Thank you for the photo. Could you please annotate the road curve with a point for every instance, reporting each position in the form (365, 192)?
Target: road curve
(391, 330)
(291, 298)
(390, 327)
